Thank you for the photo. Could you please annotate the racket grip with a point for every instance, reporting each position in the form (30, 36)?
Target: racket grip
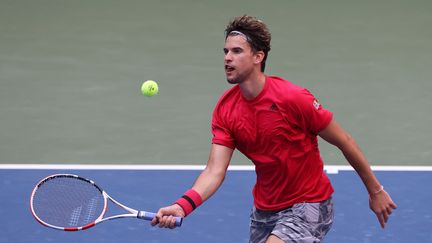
(150, 216)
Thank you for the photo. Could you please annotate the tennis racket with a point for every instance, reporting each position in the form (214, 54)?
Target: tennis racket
(70, 203)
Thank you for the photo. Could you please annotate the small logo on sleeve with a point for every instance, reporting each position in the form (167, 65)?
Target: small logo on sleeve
(316, 105)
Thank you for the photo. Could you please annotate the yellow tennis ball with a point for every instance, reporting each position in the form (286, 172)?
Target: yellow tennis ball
(149, 88)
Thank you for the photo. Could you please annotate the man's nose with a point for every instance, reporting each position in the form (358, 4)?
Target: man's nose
(228, 56)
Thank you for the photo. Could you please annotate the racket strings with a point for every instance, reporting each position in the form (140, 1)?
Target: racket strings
(68, 202)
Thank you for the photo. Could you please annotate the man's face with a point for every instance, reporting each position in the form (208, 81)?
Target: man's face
(239, 59)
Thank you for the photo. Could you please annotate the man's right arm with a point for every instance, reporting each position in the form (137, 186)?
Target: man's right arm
(205, 185)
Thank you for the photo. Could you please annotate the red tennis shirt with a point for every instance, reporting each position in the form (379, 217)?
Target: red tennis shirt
(277, 131)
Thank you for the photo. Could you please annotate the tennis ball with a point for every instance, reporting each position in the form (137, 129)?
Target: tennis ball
(149, 88)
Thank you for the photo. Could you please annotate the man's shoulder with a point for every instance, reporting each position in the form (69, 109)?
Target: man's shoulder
(229, 93)
(285, 87)
(229, 97)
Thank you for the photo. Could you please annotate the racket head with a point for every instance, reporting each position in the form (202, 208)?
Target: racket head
(67, 202)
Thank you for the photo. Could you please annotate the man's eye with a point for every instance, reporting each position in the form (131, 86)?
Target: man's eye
(237, 50)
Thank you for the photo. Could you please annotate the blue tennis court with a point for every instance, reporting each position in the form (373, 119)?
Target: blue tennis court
(224, 218)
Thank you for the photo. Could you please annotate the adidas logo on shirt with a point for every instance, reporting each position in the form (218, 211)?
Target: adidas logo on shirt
(273, 107)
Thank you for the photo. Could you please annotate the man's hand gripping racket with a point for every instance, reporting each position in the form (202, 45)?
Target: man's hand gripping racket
(69, 202)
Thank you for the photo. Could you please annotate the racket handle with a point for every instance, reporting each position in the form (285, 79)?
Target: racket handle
(150, 216)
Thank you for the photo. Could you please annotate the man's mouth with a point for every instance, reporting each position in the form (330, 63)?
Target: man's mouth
(229, 68)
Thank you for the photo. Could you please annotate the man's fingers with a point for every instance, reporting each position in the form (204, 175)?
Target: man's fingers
(381, 220)
(162, 222)
(171, 220)
(166, 217)
(161, 218)
(383, 216)
(156, 219)
(382, 205)
(389, 211)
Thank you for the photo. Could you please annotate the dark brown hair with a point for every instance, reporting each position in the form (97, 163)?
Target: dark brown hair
(256, 32)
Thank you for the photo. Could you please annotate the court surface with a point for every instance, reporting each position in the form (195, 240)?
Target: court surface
(70, 76)
(223, 218)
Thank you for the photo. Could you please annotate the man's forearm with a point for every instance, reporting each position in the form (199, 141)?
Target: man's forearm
(208, 182)
(358, 161)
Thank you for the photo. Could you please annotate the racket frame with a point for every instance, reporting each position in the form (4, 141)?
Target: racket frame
(132, 212)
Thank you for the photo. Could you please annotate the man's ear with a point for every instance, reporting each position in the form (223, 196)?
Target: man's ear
(259, 57)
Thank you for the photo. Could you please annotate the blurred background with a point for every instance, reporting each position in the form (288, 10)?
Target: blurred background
(70, 76)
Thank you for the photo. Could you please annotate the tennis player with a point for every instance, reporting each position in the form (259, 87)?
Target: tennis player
(275, 123)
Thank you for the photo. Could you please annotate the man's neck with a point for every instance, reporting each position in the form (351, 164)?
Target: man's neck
(253, 86)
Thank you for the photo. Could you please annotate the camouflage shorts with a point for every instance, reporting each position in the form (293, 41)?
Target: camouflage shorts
(302, 223)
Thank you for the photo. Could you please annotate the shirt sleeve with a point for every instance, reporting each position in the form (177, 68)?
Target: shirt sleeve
(312, 116)
(221, 133)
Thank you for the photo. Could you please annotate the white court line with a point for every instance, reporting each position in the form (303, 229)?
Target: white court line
(331, 169)
(99, 167)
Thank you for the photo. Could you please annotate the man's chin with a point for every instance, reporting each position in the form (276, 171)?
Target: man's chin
(232, 80)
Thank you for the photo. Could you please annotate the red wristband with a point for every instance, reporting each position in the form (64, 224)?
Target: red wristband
(189, 201)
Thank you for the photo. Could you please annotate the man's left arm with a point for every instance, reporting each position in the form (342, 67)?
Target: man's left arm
(380, 201)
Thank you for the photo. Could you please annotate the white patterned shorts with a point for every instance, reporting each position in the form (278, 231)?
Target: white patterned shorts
(301, 223)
